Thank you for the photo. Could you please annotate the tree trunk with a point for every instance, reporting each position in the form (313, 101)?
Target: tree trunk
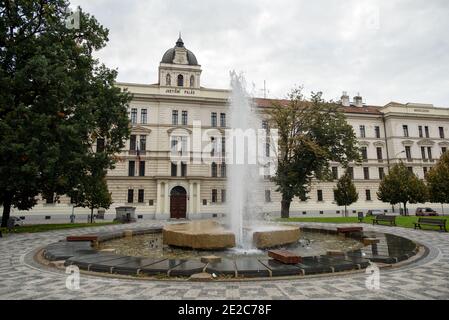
(6, 211)
(92, 215)
(346, 212)
(405, 208)
(285, 207)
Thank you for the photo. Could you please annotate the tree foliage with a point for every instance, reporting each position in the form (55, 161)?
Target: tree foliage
(311, 134)
(56, 99)
(402, 186)
(345, 193)
(438, 180)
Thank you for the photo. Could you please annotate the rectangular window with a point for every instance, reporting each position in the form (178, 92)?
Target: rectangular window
(213, 145)
(184, 118)
(426, 129)
(319, 194)
(410, 169)
(408, 153)
(424, 169)
(368, 195)
(405, 129)
(267, 195)
(130, 196)
(351, 172)
(377, 132)
(379, 153)
(223, 195)
(362, 131)
(143, 116)
(441, 129)
(223, 170)
(267, 149)
(142, 168)
(423, 153)
(183, 169)
(213, 119)
(364, 153)
(265, 125)
(133, 115)
(222, 119)
(420, 131)
(214, 195)
(132, 142)
(131, 168)
(174, 117)
(381, 173)
(429, 153)
(174, 169)
(100, 145)
(143, 143)
(335, 173)
(141, 196)
(223, 146)
(443, 150)
(214, 170)
(366, 173)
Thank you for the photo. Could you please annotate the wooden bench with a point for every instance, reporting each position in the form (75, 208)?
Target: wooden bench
(285, 256)
(431, 222)
(384, 218)
(86, 237)
(349, 229)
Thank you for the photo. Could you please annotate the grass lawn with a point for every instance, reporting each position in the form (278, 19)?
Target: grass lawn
(32, 228)
(401, 221)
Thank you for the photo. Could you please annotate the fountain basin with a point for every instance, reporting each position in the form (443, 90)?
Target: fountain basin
(269, 237)
(207, 235)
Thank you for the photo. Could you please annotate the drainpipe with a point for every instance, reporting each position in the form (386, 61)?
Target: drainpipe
(386, 147)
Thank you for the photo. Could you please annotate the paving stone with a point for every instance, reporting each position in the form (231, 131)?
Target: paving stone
(427, 278)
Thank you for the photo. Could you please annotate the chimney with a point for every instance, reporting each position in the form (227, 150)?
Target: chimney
(358, 101)
(345, 99)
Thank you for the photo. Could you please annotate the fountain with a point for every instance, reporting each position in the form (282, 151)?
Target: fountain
(246, 231)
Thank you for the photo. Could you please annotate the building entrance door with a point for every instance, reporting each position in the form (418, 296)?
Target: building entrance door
(178, 203)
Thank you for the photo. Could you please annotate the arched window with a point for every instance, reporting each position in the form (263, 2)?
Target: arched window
(192, 81)
(180, 80)
(168, 80)
(214, 169)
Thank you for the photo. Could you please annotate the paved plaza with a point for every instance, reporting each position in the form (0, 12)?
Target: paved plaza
(22, 278)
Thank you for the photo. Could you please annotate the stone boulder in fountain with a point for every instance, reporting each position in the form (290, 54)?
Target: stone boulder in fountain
(206, 234)
(273, 236)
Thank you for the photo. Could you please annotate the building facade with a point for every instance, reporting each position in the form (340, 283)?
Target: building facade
(156, 175)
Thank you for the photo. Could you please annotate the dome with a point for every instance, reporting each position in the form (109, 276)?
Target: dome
(169, 55)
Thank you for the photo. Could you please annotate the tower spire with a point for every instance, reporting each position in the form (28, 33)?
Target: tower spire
(180, 43)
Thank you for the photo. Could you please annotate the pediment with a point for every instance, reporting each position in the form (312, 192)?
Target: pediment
(140, 129)
(426, 142)
(444, 144)
(180, 131)
(378, 144)
(364, 143)
(407, 142)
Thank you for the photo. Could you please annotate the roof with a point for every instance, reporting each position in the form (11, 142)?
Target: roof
(266, 103)
(169, 55)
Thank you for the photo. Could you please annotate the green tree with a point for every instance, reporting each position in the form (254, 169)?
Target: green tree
(310, 135)
(345, 193)
(438, 180)
(402, 186)
(56, 100)
(91, 191)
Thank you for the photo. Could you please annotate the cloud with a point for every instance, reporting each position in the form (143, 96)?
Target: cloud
(387, 50)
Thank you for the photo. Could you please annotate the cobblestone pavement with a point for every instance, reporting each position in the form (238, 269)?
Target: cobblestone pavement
(22, 278)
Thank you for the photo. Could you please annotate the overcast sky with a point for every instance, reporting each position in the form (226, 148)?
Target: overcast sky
(388, 50)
